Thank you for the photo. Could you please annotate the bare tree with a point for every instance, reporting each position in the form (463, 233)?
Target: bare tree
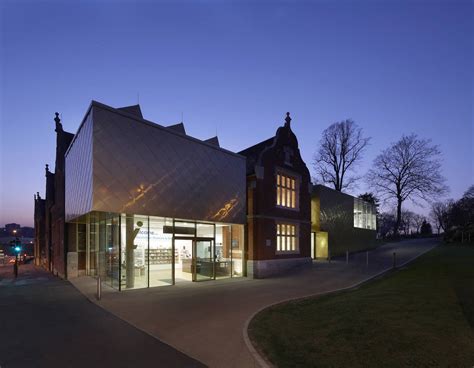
(469, 192)
(439, 214)
(385, 225)
(340, 149)
(407, 221)
(418, 221)
(408, 169)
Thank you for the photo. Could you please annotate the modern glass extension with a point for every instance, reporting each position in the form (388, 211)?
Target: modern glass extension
(365, 215)
(133, 251)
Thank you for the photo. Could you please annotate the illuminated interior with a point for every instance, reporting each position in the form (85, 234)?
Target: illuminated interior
(287, 238)
(286, 191)
(364, 215)
(320, 249)
(133, 251)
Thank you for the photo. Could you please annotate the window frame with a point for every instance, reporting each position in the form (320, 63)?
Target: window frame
(291, 231)
(292, 191)
(365, 215)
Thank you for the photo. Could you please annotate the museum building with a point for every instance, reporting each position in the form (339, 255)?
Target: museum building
(143, 205)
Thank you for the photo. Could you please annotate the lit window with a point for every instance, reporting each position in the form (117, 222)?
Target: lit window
(364, 215)
(286, 191)
(287, 238)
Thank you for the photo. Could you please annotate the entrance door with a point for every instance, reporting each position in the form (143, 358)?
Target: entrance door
(203, 260)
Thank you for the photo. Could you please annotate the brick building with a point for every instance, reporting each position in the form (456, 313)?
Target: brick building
(278, 204)
(142, 204)
(49, 216)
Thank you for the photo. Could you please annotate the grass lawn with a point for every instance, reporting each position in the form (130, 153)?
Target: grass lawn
(420, 316)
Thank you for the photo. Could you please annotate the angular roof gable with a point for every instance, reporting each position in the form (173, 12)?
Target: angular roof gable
(178, 128)
(214, 141)
(134, 110)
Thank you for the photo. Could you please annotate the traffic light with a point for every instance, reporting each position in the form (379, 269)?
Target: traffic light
(16, 245)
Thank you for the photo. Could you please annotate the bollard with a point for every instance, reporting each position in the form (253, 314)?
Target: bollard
(15, 268)
(329, 256)
(367, 259)
(347, 256)
(394, 260)
(99, 288)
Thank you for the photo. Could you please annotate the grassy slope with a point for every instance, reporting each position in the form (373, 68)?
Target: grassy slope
(419, 316)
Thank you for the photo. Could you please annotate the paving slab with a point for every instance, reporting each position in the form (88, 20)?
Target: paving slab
(46, 322)
(206, 320)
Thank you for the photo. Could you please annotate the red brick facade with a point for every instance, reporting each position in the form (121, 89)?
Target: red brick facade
(50, 226)
(264, 161)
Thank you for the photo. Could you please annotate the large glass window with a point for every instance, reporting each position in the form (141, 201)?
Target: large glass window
(161, 251)
(81, 246)
(131, 251)
(204, 230)
(286, 191)
(364, 215)
(112, 251)
(92, 245)
(223, 251)
(134, 246)
(287, 238)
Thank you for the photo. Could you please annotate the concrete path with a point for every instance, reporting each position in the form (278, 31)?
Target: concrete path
(206, 320)
(46, 322)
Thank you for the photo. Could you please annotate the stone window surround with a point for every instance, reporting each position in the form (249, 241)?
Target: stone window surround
(282, 171)
(297, 237)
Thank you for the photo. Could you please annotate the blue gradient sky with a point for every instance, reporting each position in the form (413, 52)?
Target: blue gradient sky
(236, 68)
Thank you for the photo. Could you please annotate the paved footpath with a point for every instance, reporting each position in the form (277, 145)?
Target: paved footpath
(206, 320)
(46, 322)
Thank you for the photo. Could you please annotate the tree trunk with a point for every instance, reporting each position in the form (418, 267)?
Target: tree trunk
(399, 217)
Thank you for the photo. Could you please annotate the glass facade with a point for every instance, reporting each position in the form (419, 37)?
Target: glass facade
(131, 251)
(364, 215)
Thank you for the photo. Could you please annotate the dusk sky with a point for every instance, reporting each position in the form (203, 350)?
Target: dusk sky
(236, 68)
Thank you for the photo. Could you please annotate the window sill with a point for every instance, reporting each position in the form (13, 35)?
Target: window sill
(296, 209)
(284, 252)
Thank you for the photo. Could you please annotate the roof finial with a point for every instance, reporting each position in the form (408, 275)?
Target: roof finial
(287, 119)
(47, 168)
(57, 120)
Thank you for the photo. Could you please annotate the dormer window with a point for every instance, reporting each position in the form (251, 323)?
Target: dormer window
(286, 191)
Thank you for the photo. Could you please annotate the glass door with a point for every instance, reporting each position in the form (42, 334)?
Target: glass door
(203, 259)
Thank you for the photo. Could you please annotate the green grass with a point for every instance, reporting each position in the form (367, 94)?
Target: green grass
(420, 316)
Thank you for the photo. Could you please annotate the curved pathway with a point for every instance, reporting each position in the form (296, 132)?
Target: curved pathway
(206, 320)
